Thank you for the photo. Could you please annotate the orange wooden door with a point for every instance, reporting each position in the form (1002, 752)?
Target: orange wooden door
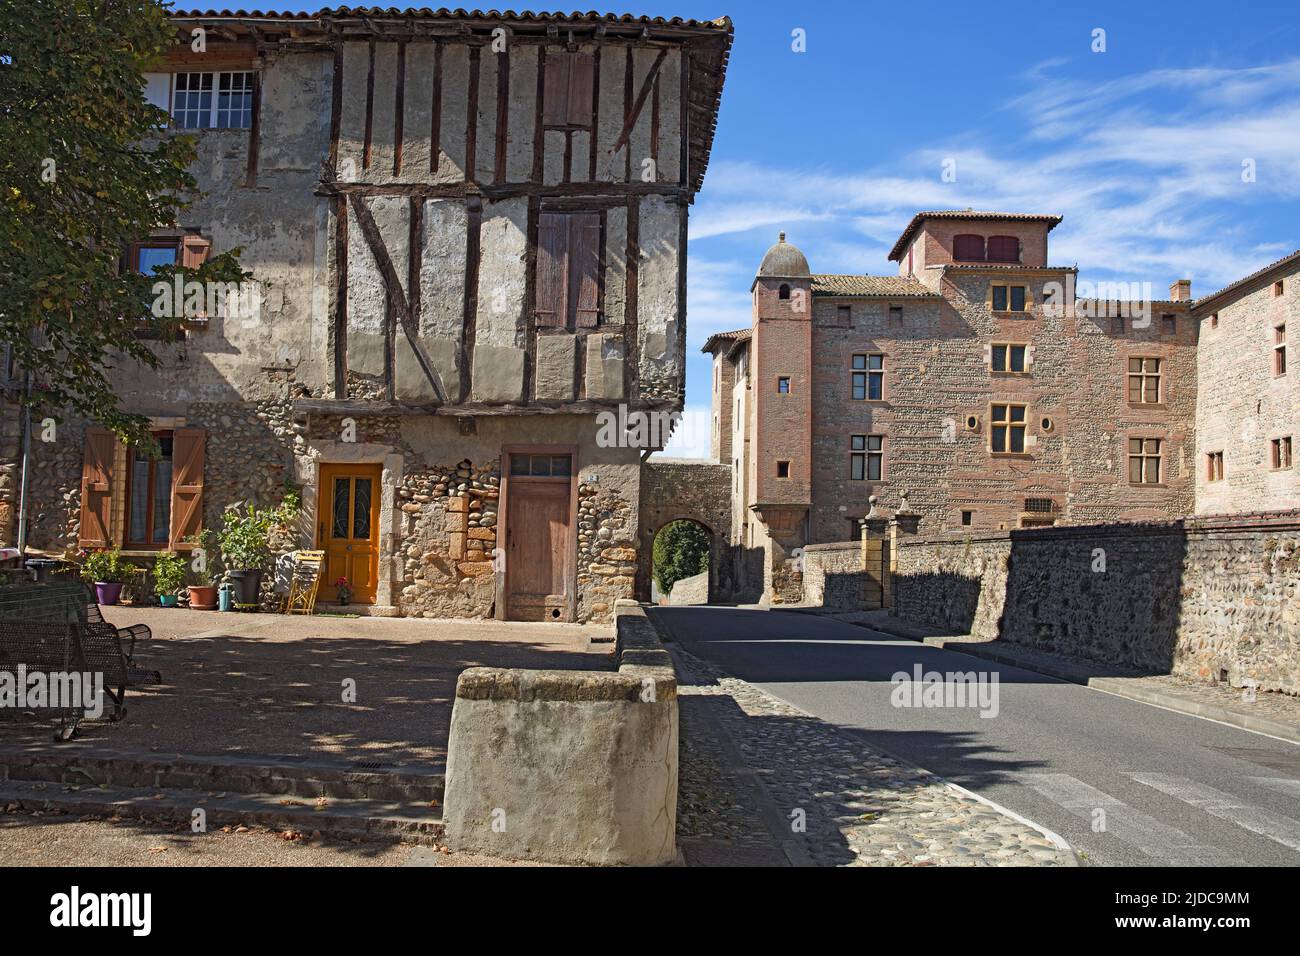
(347, 530)
(539, 538)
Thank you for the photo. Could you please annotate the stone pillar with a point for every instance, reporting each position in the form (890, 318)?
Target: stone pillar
(873, 535)
(905, 522)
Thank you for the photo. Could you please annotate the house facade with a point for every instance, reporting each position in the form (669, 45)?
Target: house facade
(467, 235)
(992, 390)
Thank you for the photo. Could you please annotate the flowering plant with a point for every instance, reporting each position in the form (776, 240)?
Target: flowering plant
(345, 590)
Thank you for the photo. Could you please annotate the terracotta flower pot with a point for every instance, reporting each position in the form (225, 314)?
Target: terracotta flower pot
(203, 597)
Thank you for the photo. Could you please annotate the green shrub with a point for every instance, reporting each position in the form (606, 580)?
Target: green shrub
(169, 572)
(681, 550)
(106, 567)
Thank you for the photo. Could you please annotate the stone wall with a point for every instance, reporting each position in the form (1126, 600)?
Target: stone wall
(833, 575)
(692, 590)
(1207, 599)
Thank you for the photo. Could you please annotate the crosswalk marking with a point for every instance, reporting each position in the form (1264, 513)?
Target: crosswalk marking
(1155, 839)
(1225, 806)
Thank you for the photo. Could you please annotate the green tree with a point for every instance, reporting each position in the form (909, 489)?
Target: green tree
(681, 550)
(86, 168)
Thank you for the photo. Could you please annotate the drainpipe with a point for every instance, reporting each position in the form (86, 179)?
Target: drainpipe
(27, 451)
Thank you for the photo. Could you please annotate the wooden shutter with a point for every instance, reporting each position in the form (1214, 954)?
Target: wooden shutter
(582, 70)
(555, 100)
(187, 486)
(584, 268)
(194, 251)
(1004, 249)
(96, 489)
(552, 269)
(968, 248)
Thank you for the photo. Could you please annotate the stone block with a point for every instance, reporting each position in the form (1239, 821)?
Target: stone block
(412, 383)
(366, 352)
(604, 367)
(498, 374)
(556, 368)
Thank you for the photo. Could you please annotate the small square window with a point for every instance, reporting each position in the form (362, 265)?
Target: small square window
(783, 469)
(1169, 324)
(1281, 448)
(783, 385)
(1214, 466)
(1278, 288)
(844, 315)
(1214, 321)
(896, 315)
(967, 518)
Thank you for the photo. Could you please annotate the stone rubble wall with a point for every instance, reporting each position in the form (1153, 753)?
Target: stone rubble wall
(833, 575)
(1207, 599)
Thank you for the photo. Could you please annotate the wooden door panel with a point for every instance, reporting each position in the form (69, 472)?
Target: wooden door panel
(347, 530)
(539, 540)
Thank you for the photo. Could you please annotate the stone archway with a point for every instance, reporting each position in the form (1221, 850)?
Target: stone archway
(684, 490)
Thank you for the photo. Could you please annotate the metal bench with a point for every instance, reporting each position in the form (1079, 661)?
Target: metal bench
(74, 602)
(55, 647)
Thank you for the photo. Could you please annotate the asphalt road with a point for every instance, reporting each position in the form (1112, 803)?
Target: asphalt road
(1125, 783)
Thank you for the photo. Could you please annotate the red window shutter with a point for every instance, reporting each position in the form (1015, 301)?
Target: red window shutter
(555, 99)
(187, 486)
(584, 268)
(968, 248)
(552, 269)
(96, 488)
(582, 70)
(1004, 249)
(194, 251)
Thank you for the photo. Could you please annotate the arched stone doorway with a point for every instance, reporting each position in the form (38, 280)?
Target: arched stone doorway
(712, 559)
(682, 490)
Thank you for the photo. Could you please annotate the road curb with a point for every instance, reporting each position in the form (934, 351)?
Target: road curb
(1116, 686)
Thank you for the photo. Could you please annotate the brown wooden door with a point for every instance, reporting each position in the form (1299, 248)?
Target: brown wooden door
(539, 541)
(347, 530)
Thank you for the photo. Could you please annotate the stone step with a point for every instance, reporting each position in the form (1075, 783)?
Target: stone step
(269, 775)
(342, 819)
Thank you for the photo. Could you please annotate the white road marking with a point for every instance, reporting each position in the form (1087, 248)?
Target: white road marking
(1155, 839)
(1225, 806)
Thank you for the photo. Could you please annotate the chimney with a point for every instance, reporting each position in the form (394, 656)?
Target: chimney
(1181, 291)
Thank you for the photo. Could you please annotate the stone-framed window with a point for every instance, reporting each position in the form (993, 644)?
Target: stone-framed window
(1007, 429)
(783, 384)
(866, 457)
(1279, 349)
(783, 469)
(1144, 386)
(868, 377)
(1144, 461)
(1279, 287)
(1010, 357)
(1005, 297)
(1280, 453)
(967, 518)
(1214, 466)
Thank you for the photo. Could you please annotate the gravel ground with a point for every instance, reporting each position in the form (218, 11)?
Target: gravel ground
(267, 684)
(823, 796)
(53, 839)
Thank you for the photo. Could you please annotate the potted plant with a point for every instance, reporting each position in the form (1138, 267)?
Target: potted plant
(168, 576)
(203, 593)
(345, 591)
(245, 545)
(107, 571)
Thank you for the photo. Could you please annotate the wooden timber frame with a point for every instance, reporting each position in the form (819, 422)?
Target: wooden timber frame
(704, 47)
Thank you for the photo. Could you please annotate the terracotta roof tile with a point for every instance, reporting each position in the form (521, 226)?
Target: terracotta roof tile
(892, 287)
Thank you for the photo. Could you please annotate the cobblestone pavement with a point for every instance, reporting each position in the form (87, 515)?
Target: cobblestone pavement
(763, 783)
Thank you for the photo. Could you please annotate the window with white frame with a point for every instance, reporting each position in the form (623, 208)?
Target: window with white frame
(212, 100)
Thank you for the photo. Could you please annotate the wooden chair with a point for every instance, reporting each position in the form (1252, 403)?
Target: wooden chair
(304, 582)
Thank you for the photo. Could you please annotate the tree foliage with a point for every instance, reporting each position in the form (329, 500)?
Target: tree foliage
(86, 168)
(681, 550)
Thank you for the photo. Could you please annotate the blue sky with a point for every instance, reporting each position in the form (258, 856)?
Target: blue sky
(1139, 147)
